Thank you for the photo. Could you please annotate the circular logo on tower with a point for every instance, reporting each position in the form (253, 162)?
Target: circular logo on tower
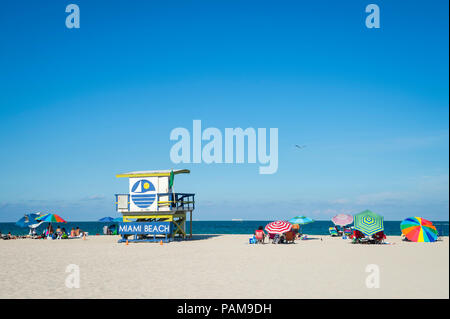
(143, 193)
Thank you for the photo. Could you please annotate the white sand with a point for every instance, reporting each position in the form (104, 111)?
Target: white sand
(224, 266)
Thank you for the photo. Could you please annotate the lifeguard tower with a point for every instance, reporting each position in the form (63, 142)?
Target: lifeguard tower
(151, 210)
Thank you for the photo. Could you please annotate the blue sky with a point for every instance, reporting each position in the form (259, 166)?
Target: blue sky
(78, 106)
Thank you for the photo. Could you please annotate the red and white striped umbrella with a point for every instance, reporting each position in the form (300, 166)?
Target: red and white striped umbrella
(278, 227)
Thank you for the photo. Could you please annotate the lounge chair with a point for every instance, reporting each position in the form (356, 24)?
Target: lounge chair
(347, 231)
(379, 238)
(358, 237)
(290, 237)
(333, 232)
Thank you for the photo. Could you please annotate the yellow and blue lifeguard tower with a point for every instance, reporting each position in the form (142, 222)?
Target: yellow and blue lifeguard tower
(151, 210)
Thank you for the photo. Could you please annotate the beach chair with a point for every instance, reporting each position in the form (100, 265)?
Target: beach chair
(259, 236)
(333, 232)
(275, 238)
(359, 238)
(379, 238)
(347, 231)
(290, 237)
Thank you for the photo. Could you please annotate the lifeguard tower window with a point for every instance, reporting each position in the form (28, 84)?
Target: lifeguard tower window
(122, 202)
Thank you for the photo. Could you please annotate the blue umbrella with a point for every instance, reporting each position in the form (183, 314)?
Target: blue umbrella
(106, 219)
(28, 219)
(118, 220)
(300, 220)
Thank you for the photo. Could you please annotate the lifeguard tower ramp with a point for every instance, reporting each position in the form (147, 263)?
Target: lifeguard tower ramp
(151, 210)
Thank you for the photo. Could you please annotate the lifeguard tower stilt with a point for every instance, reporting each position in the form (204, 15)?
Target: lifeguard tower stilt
(151, 210)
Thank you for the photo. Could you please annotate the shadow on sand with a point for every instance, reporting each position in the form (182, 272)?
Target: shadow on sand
(309, 238)
(201, 237)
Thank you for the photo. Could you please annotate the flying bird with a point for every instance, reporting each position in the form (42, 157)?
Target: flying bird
(300, 147)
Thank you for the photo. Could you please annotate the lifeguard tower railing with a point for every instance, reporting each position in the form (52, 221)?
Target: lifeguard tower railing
(175, 202)
(172, 209)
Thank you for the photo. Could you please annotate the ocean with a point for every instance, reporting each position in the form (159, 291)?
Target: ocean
(221, 227)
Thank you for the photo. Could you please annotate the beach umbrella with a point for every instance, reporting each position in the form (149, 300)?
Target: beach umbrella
(106, 219)
(278, 227)
(118, 220)
(51, 218)
(342, 219)
(300, 220)
(419, 229)
(368, 222)
(28, 220)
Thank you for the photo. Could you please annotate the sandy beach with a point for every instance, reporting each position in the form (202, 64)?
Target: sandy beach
(223, 266)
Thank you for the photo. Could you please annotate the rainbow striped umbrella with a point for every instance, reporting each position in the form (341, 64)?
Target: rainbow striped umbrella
(278, 227)
(342, 219)
(419, 230)
(368, 222)
(51, 218)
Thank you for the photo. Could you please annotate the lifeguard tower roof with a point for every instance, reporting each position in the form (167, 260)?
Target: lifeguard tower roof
(154, 173)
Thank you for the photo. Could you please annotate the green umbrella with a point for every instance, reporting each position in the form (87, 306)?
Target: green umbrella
(368, 222)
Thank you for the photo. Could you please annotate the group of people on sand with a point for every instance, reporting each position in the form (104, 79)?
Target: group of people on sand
(61, 233)
(8, 236)
(358, 237)
(284, 238)
(49, 233)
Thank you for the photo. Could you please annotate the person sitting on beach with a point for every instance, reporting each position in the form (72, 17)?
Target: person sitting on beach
(296, 230)
(72, 233)
(58, 232)
(276, 239)
(290, 237)
(112, 230)
(339, 232)
(49, 231)
(260, 235)
(10, 236)
(79, 233)
(64, 234)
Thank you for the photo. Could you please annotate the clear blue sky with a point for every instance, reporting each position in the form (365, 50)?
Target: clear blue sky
(372, 105)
